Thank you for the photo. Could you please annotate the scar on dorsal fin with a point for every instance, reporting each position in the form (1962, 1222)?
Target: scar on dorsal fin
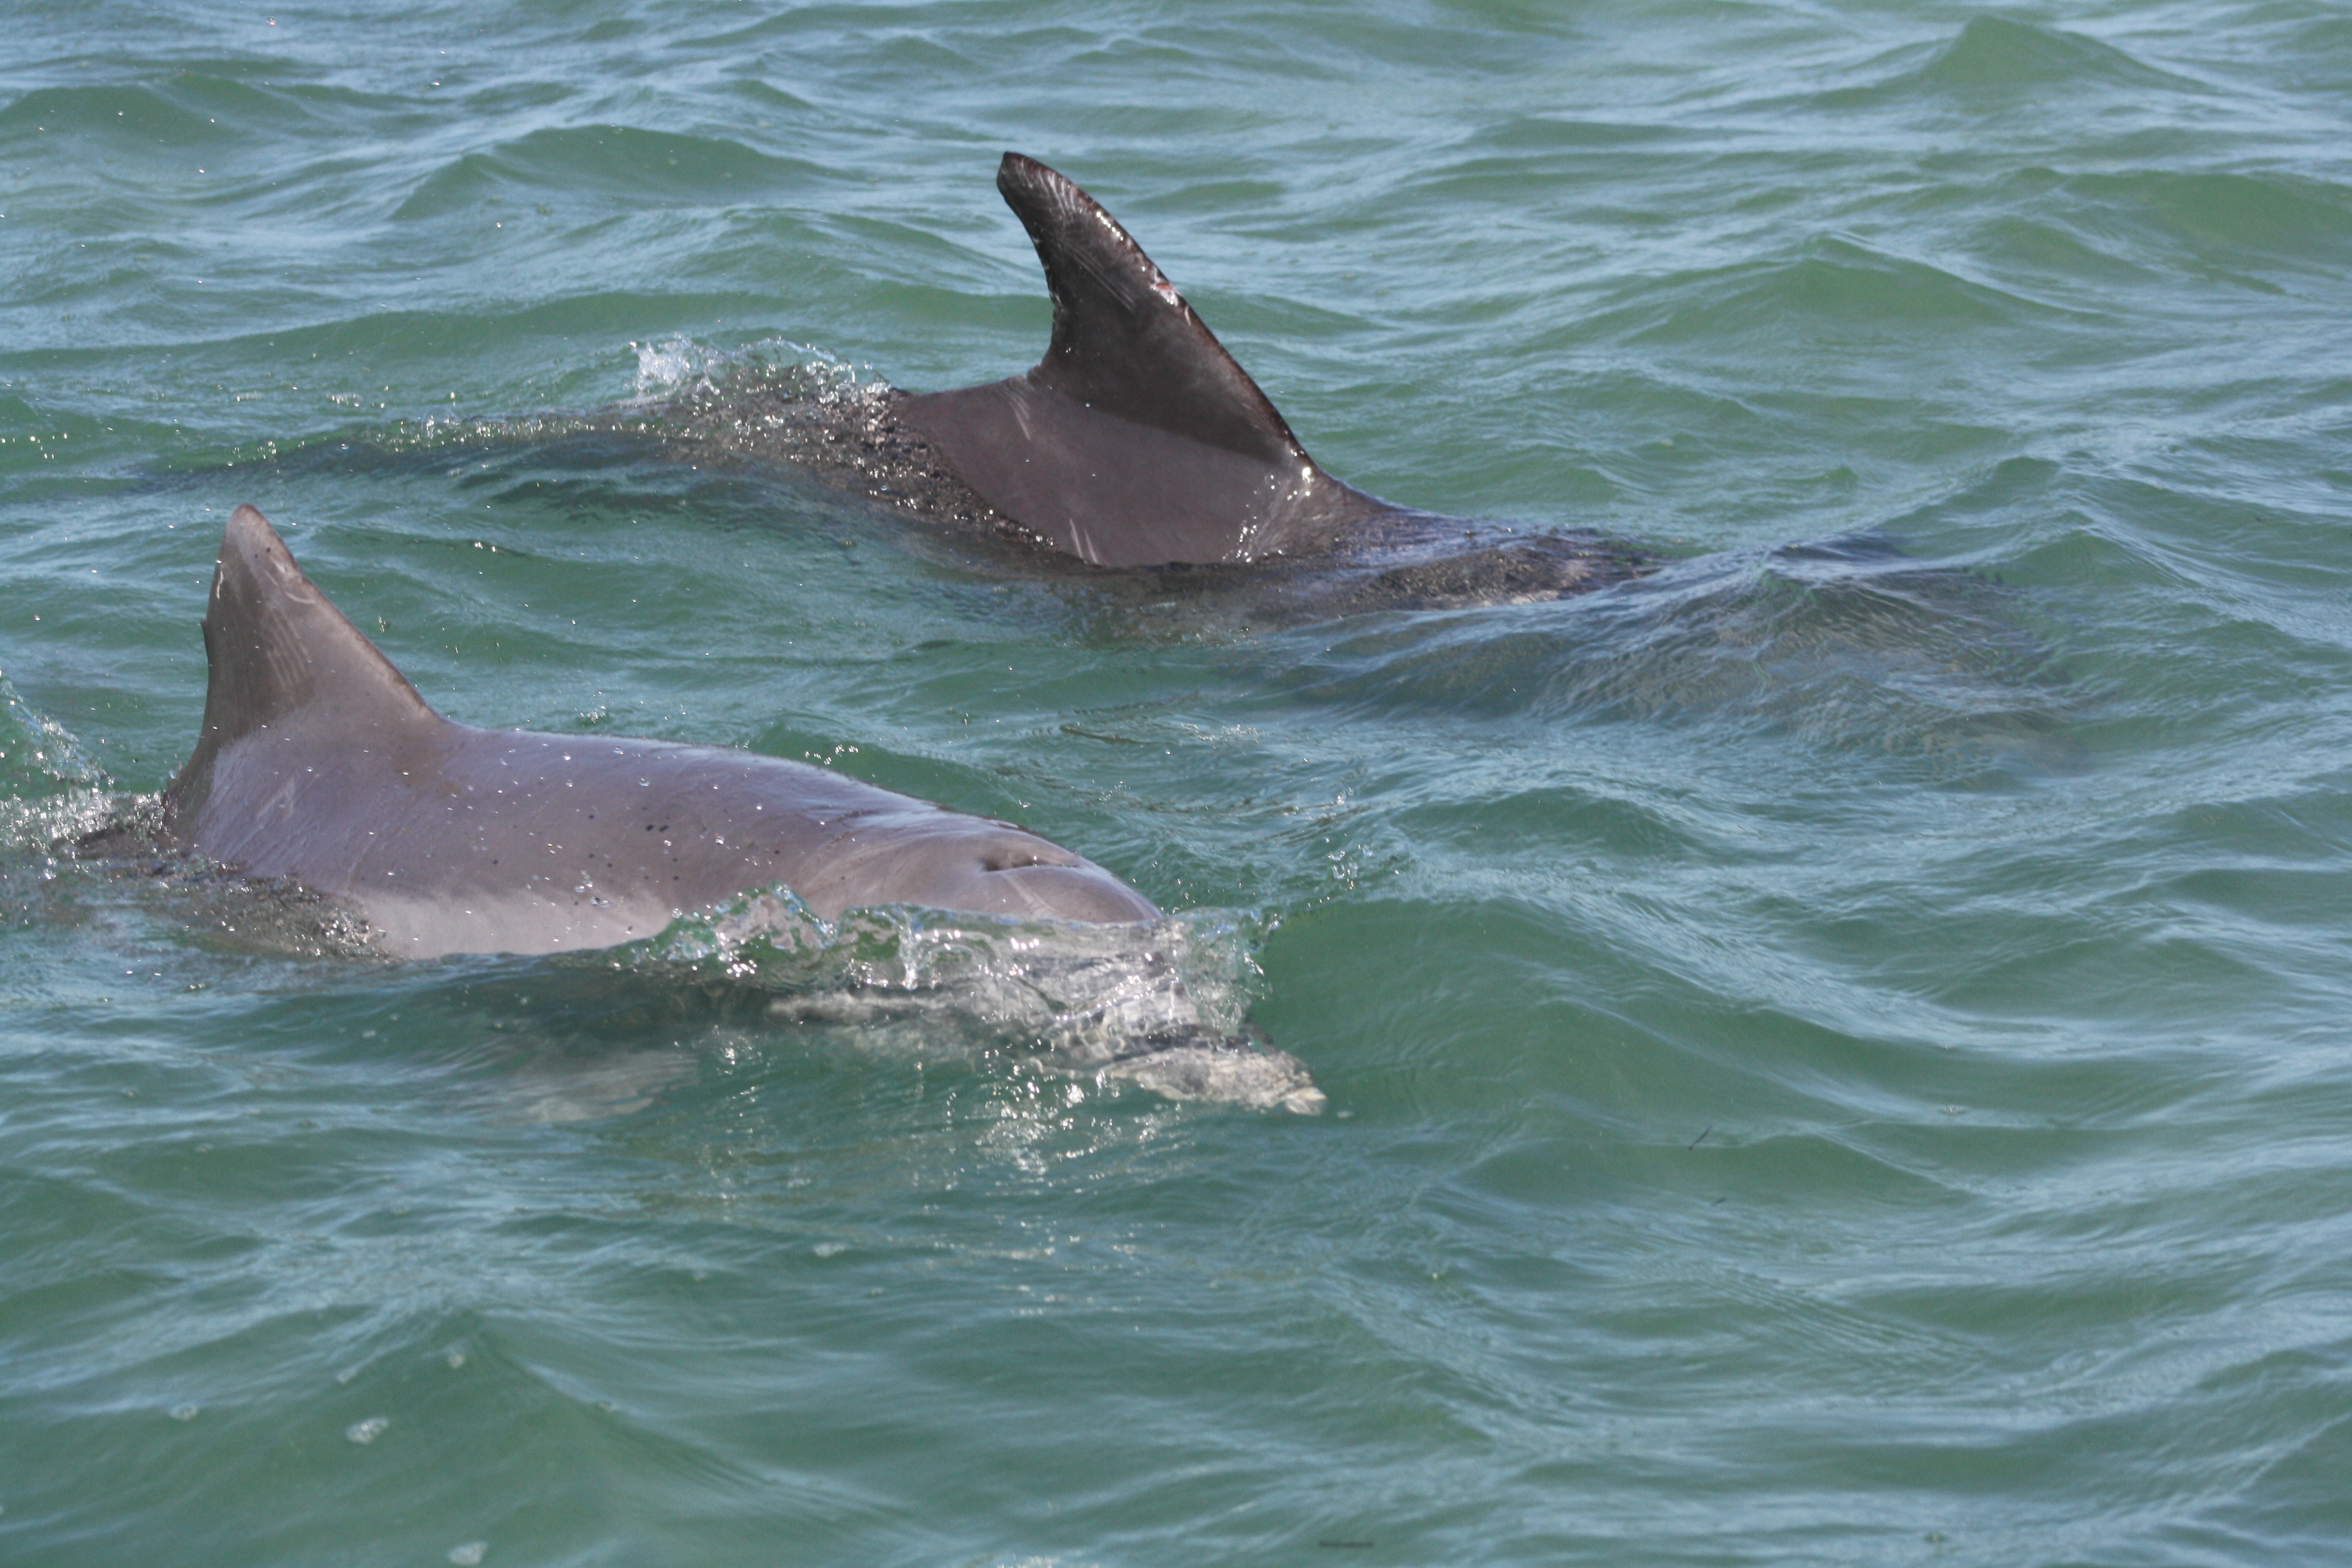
(1124, 340)
(279, 651)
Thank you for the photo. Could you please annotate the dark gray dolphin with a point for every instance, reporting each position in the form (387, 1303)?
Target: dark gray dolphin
(1137, 441)
(320, 765)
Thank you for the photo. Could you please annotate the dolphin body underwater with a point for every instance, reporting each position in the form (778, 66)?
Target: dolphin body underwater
(1137, 441)
(320, 766)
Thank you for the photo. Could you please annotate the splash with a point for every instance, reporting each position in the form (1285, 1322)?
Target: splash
(678, 369)
(37, 754)
(42, 824)
(1159, 1006)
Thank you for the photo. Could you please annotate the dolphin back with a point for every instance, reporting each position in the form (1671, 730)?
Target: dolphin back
(1137, 439)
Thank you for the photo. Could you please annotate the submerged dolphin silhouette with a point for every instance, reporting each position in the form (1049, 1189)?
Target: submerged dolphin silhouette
(1136, 441)
(319, 764)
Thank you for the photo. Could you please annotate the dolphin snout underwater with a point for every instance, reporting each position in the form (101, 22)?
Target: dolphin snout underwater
(319, 764)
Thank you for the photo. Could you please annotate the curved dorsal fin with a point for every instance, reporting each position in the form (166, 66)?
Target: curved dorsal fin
(1136, 441)
(278, 648)
(1124, 340)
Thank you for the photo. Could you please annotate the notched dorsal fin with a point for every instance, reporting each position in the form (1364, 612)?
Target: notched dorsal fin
(1124, 341)
(279, 647)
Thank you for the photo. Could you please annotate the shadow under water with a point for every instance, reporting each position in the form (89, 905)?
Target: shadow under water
(1842, 643)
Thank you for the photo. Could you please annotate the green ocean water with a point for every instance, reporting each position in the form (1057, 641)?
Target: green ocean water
(1837, 1052)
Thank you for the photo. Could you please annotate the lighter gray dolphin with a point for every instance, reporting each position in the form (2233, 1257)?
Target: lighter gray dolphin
(320, 765)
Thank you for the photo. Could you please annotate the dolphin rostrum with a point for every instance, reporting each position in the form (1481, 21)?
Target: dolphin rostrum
(320, 765)
(1136, 441)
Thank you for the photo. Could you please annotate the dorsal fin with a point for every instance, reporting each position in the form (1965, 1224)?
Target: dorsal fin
(1124, 340)
(1136, 441)
(278, 648)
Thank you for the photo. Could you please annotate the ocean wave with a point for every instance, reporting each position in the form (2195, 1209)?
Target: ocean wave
(1994, 60)
(600, 161)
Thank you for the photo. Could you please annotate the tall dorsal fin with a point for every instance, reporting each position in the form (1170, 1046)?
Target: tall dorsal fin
(1136, 441)
(1124, 340)
(278, 648)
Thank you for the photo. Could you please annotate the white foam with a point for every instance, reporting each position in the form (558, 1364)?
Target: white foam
(1158, 1005)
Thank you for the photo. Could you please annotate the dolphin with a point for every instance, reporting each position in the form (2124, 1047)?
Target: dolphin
(320, 765)
(1136, 441)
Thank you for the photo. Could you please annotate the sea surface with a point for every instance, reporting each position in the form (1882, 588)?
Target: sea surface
(1837, 1052)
